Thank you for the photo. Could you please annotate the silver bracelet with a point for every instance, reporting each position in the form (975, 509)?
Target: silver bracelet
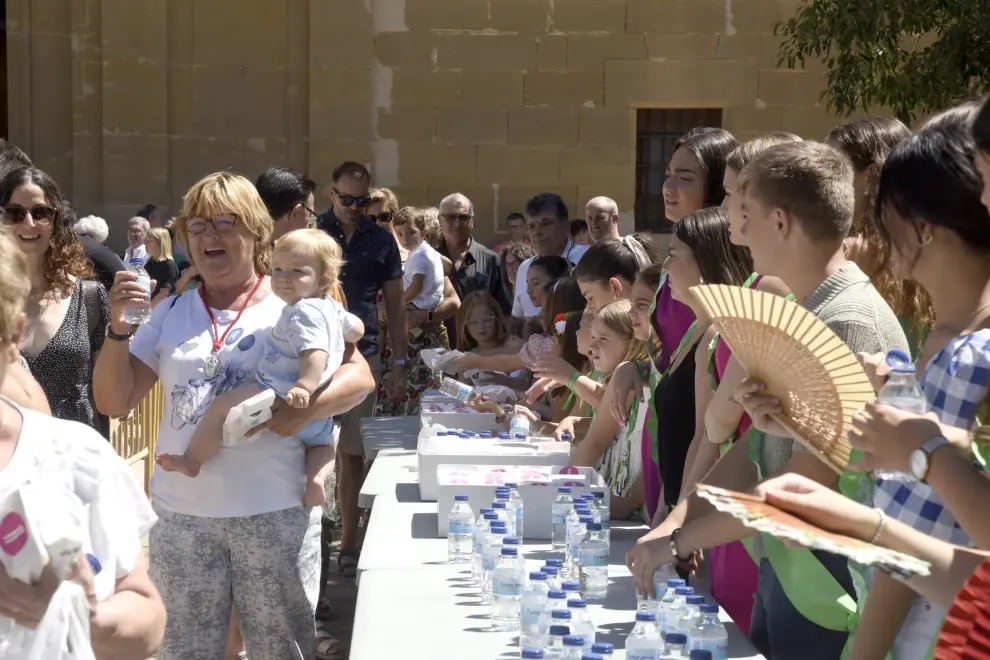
(881, 524)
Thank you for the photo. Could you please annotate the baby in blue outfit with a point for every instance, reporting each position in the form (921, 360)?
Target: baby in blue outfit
(302, 352)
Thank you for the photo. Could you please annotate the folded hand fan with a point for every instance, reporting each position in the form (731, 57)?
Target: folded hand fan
(759, 515)
(814, 375)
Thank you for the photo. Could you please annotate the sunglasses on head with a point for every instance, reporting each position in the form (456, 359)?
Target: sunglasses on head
(41, 214)
(350, 200)
(222, 223)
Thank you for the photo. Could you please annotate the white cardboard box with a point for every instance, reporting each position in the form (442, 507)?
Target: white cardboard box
(433, 452)
(537, 485)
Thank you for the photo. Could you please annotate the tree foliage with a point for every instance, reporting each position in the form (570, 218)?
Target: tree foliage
(912, 56)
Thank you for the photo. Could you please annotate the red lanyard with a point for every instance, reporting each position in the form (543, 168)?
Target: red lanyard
(218, 341)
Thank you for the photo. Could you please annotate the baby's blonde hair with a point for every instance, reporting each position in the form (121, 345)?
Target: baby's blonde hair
(615, 316)
(426, 220)
(317, 243)
(16, 285)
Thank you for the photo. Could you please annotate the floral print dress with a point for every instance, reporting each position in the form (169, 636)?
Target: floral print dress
(622, 463)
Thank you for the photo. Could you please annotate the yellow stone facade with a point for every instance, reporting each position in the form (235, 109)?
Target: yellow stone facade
(127, 102)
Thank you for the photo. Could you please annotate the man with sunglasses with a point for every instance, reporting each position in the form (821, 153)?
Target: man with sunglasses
(372, 264)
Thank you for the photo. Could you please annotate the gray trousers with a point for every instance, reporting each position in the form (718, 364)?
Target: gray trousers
(268, 565)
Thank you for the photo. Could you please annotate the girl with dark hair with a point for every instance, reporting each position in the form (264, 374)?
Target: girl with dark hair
(937, 233)
(67, 312)
(541, 272)
(867, 141)
(608, 269)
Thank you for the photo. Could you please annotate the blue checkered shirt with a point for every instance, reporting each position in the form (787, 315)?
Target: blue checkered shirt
(955, 384)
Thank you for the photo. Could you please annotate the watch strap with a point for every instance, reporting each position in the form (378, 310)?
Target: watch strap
(928, 448)
(119, 337)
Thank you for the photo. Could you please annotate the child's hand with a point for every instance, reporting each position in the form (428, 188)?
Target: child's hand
(297, 398)
(625, 381)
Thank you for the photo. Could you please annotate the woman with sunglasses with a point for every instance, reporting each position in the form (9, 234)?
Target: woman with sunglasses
(67, 311)
(239, 532)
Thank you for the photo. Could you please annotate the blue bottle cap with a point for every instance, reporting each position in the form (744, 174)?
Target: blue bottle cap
(563, 489)
(599, 495)
(486, 510)
(566, 436)
(574, 640)
(602, 647)
(491, 516)
(485, 434)
(557, 594)
(591, 655)
(700, 654)
(461, 498)
(540, 575)
(673, 583)
(582, 510)
(560, 631)
(498, 530)
(511, 484)
(899, 362)
(550, 570)
(520, 436)
(560, 614)
(532, 654)
(94, 564)
(594, 527)
(509, 552)
(696, 599)
(556, 563)
(499, 505)
(709, 608)
(645, 616)
(505, 436)
(676, 638)
(510, 540)
(587, 520)
(684, 591)
(571, 585)
(577, 603)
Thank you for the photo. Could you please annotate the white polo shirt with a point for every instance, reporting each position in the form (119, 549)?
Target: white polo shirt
(522, 306)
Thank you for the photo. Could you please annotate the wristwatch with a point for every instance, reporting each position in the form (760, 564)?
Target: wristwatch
(920, 462)
(399, 362)
(116, 337)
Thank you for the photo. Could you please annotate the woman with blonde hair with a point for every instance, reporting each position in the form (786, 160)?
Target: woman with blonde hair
(238, 533)
(160, 264)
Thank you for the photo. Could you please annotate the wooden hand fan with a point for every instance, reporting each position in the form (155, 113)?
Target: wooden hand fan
(814, 375)
(759, 515)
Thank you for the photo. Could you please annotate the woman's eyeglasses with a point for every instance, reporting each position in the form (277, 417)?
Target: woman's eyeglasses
(384, 217)
(480, 323)
(41, 214)
(222, 223)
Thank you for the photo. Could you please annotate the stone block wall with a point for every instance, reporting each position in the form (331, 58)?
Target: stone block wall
(128, 102)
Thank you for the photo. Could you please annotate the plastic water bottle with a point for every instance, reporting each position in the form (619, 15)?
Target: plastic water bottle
(534, 600)
(573, 647)
(139, 312)
(603, 649)
(553, 577)
(480, 531)
(594, 553)
(579, 531)
(558, 512)
(489, 559)
(644, 642)
(556, 600)
(668, 597)
(457, 389)
(575, 533)
(675, 646)
(561, 618)
(508, 583)
(503, 495)
(691, 614)
(501, 509)
(460, 531)
(660, 578)
(581, 623)
(532, 654)
(671, 612)
(606, 515)
(519, 424)
(572, 588)
(701, 654)
(709, 634)
(515, 497)
(555, 640)
(902, 392)
(512, 541)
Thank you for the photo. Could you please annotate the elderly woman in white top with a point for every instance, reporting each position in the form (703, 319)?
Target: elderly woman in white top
(237, 534)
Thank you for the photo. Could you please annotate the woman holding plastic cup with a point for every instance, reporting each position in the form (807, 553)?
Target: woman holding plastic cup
(70, 463)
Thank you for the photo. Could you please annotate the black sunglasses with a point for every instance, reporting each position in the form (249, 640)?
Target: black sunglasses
(41, 214)
(384, 216)
(350, 200)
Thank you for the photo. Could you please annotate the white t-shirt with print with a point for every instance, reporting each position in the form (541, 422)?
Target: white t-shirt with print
(424, 260)
(252, 478)
(522, 305)
(54, 454)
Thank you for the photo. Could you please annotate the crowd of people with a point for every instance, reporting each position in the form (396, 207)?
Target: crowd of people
(882, 233)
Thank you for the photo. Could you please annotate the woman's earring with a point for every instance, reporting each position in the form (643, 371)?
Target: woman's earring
(926, 239)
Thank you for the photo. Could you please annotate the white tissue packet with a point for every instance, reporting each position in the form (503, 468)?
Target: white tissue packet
(40, 527)
(245, 416)
(437, 358)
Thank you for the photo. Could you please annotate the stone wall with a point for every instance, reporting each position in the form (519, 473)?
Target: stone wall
(128, 102)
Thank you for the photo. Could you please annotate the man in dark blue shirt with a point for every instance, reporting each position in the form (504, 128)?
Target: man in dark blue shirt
(371, 264)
